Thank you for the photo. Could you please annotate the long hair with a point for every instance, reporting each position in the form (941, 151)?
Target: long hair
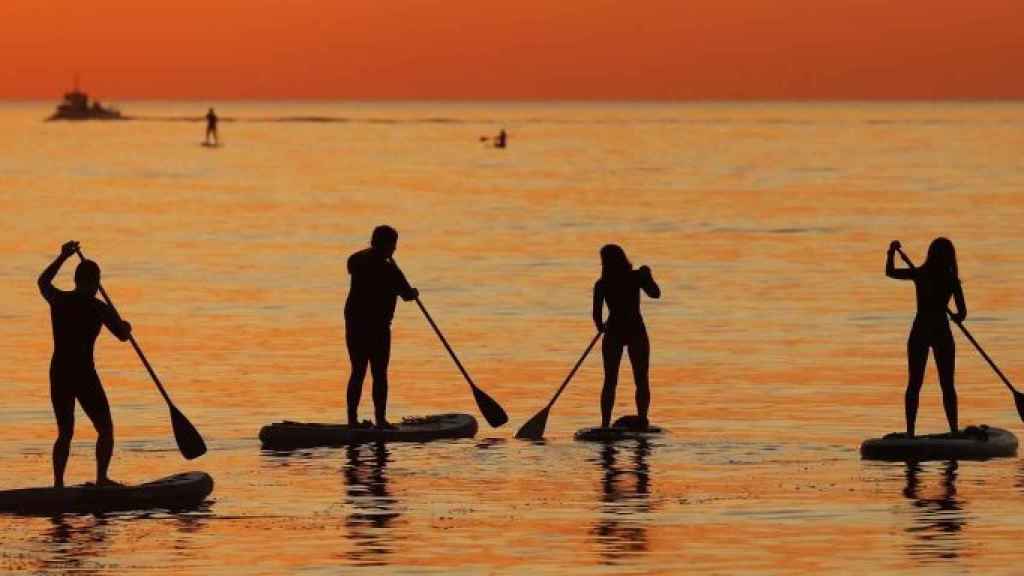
(941, 261)
(614, 263)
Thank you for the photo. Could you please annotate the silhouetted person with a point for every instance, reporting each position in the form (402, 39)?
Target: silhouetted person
(501, 140)
(76, 317)
(619, 287)
(211, 127)
(376, 285)
(935, 281)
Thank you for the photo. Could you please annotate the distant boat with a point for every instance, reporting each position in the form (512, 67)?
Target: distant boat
(76, 106)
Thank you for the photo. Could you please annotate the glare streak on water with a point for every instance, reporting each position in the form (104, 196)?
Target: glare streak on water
(777, 347)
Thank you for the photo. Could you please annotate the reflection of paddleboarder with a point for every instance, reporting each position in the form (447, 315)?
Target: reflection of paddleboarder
(211, 128)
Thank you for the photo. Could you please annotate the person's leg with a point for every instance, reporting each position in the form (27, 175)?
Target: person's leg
(611, 353)
(94, 403)
(379, 359)
(917, 358)
(63, 402)
(639, 358)
(359, 358)
(945, 362)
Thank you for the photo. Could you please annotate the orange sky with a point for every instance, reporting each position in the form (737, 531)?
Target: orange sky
(534, 49)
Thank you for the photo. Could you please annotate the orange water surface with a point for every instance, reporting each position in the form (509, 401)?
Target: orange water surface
(778, 344)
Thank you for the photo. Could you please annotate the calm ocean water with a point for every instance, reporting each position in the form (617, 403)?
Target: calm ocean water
(778, 344)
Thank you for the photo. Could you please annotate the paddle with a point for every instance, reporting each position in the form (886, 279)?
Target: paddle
(534, 427)
(491, 410)
(1018, 398)
(190, 443)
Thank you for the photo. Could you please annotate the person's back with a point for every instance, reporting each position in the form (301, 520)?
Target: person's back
(76, 319)
(376, 285)
(933, 291)
(621, 294)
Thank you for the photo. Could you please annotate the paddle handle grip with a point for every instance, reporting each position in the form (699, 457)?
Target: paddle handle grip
(968, 334)
(445, 342)
(572, 373)
(131, 338)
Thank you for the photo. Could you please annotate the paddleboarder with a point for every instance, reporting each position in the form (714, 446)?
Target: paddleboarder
(501, 140)
(619, 287)
(377, 282)
(211, 129)
(935, 282)
(76, 317)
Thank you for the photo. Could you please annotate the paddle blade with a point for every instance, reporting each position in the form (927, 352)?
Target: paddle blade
(190, 443)
(534, 427)
(1018, 399)
(492, 411)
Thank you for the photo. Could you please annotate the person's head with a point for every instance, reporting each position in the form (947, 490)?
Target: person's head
(942, 258)
(613, 261)
(87, 277)
(384, 240)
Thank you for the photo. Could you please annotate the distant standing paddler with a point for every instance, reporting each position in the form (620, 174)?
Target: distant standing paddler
(76, 317)
(501, 140)
(376, 285)
(935, 282)
(619, 287)
(211, 129)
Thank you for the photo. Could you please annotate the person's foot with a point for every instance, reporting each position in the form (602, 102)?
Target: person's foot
(358, 424)
(108, 483)
(385, 425)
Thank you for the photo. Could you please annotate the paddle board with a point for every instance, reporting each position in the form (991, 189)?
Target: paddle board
(973, 443)
(179, 491)
(289, 435)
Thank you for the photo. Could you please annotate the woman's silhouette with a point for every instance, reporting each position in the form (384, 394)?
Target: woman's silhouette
(935, 282)
(619, 286)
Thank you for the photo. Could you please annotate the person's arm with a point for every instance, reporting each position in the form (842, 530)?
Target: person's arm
(402, 286)
(648, 284)
(45, 281)
(961, 304)
(598, 306)
(113, 322)
(890, 264)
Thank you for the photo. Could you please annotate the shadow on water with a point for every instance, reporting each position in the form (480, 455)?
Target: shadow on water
(620, 531)
(938, 520)
(373, 507)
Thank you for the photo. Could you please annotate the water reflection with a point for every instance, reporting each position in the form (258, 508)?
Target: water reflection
(620, 531)
(373, 507)
(75, 544)
(938, 520)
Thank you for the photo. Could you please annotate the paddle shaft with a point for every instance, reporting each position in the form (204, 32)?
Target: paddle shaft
(968, 334)
(446, 345)
(574, 369)
(135, 345)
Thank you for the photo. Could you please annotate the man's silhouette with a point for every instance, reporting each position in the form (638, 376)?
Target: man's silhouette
(376, 284)
(211, 128)
(76, 317)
